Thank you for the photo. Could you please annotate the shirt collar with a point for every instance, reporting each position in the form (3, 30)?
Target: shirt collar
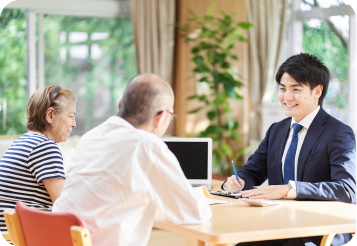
(121, 121)
(306, 122)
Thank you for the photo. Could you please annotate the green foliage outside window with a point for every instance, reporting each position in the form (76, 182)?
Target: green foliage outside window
(87, 77)
(13, 67)
(330, 49)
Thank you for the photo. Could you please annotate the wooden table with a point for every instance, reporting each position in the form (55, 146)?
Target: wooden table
(239, 222)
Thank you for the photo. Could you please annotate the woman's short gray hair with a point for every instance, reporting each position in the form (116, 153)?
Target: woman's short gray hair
(40, 102)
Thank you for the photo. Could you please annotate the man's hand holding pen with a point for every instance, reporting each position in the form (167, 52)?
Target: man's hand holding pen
(232, 185)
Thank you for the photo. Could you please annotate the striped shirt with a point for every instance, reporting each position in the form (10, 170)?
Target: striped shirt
(31, 159)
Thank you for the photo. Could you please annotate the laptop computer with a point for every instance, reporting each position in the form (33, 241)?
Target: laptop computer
(195, 158)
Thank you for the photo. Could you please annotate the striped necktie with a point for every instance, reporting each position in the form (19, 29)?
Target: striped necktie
(289, 165)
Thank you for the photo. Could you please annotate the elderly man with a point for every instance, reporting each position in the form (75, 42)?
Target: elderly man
(122, 172)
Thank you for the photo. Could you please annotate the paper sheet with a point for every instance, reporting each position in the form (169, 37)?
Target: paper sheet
(209, 198)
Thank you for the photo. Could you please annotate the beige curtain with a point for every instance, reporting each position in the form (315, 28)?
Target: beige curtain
(154, 38)
(265, 46)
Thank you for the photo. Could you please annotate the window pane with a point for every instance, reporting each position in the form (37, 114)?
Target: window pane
(328, 39)
(94, 57)
(13, 69)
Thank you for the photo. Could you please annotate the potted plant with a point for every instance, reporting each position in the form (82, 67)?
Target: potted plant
(214, 39)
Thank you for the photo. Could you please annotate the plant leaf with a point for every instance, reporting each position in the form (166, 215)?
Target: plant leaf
(226, 149)
(195, 110)
(208, 18)
(201, 66)
(203, 79)
(238, 96)
(230, 119)
(195, 17)
(192, 97)
(221, 98)
(234, 57)
(195, 50)
(211, 115)
(207, 33)
(211, 9)
(245, 25)
(241, 152)
(219, 58)
(234, 36)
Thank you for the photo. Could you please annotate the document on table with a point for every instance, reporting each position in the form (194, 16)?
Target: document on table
(209, 198)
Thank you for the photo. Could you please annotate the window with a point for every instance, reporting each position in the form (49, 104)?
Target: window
(85, 47)
(328, 39)
(323, 28)
(13, 95)
(94, 57)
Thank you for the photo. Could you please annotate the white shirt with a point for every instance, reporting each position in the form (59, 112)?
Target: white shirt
(118, 177)
(305, 122)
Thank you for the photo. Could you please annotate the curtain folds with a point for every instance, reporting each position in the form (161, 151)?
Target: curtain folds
(154, 36)
(265, 46)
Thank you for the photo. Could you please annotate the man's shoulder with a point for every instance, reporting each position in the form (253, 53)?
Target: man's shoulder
(278, 126)
(119, 130)
(331, 123)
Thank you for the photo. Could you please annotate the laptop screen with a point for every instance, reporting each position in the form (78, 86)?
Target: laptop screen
(193, 158)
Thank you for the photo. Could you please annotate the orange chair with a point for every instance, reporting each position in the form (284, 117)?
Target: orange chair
(34, 227)
(6, 236)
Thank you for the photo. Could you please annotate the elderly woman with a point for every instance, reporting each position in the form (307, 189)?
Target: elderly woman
(31, 170)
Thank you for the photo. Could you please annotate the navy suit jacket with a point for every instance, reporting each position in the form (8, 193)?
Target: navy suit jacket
(326, 165)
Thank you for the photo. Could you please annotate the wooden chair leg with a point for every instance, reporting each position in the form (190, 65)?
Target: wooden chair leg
(80, 236)
(327, 239)
(6, 236)
(14, 227)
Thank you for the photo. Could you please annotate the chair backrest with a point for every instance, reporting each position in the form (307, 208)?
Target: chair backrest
(42, 228)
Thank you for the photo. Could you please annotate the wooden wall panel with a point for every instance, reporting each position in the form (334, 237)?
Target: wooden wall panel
(185, 84)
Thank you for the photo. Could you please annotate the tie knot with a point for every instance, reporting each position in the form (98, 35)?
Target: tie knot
(297, 128)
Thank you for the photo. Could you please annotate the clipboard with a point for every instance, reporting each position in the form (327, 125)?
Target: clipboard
(227, 194)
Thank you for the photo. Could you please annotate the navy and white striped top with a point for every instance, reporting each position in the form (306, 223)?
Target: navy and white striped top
(31, 159)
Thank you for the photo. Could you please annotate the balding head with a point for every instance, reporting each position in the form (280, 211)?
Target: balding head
(144, 97)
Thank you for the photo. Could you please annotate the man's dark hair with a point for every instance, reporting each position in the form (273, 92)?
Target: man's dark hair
(306, 69)
(144, 96)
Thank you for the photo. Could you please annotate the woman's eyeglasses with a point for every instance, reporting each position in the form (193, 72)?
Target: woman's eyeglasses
(173, 116)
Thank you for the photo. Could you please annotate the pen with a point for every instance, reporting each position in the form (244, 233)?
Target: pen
(235, 171)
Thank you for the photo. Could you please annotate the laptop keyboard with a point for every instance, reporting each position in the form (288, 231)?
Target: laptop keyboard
(197, 185)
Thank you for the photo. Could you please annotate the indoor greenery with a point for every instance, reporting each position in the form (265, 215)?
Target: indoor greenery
(214, 40)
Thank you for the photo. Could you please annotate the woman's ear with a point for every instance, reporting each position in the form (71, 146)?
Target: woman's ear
(49, 115)
(119, 105)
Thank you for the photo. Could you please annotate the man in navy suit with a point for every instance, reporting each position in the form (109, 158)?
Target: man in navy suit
(308, 156)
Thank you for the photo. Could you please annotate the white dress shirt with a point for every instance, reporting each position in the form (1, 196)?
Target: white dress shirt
(305, 122)
(118, 177)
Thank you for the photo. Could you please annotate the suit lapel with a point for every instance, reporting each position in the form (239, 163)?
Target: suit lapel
(314, 132)
(282, 137)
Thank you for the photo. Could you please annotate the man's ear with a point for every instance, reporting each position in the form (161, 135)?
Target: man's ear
(49, 114)
(157, 120)
(318, 91)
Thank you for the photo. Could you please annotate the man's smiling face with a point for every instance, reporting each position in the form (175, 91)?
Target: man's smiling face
(297, 99)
